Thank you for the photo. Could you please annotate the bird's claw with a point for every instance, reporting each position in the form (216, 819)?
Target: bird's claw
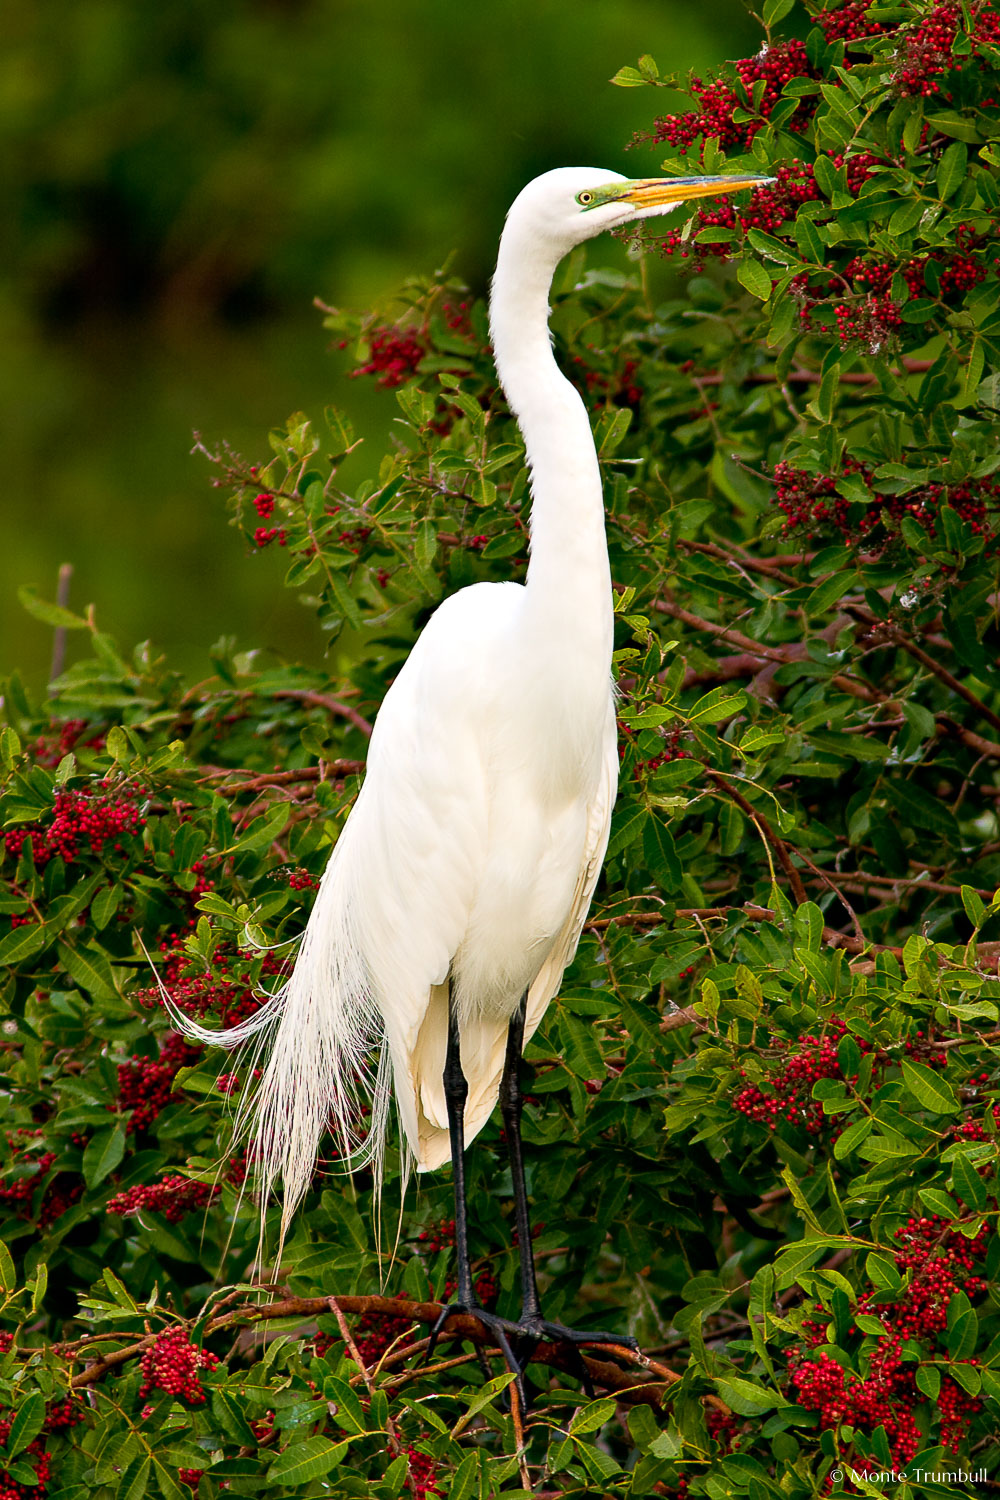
(518, 1341)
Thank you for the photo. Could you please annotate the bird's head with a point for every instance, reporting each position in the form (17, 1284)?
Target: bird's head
(571, 204)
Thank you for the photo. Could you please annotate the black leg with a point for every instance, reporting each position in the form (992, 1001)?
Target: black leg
(533, 1327)
(456, 1091)
(517, 1341)
(511, 1105)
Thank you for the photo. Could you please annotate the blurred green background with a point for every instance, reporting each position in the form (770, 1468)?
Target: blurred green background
(178, 181)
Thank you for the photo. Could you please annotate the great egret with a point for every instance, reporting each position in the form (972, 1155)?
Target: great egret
(455, 895)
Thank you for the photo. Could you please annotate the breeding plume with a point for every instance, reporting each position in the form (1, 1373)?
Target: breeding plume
(455, 895)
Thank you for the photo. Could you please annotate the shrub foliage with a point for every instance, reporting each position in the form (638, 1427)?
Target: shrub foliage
(763, 1129)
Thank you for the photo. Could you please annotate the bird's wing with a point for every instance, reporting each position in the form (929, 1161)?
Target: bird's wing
(421, 824)
(549, 977)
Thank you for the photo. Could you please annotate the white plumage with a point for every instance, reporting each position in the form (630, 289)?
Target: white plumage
(471, 854)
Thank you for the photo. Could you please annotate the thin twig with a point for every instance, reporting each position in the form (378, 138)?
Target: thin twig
(59, 636)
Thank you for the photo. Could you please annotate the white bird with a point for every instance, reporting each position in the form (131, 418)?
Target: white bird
(456, 893)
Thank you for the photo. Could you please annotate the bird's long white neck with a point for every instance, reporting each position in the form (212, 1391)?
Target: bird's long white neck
(569, 579)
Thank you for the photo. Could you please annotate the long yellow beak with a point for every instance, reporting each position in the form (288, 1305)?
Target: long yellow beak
(648, 192)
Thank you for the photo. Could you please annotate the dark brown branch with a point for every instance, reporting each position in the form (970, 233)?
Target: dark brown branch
(778, 845)
(459, 1325)
(746, 643)
(800, 376)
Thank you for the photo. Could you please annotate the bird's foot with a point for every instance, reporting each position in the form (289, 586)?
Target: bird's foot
(557, 1333)
(518, 1341)
(501, 1330)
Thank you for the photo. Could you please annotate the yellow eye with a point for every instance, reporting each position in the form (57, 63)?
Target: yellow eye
(584, 197)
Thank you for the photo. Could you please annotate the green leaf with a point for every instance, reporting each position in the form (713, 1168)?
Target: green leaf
(134, 1482)
(629, 78)
(465, 1480)
(262, 831)
(939, 1203)
(830, 591)
(930, 1090)
(591, 1417)
(485, 1397)
(627, 824)
(717, 705)
(118, 1290)
(168, 1486)
(973, 903)
(776, 10)
(660, 853)
(773, 249)
(8, 1275)
(345, 600)
(104, 1152)
(746, 1398)
(611, 429)
(919, 807)
(968, 1184)
(425, 543)
(88, 968)
(50, 614)
(951, 169)
(27, 1424)
(21, 943)
(304, 1461)
(349, 1413)
(963, 1335)
(852, 1137)
(753, 276)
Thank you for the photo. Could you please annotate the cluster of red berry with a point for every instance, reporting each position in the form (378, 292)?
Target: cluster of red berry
(393, 355)
(263, 535)
(484, 1285)
(373, 1334)
(87, 816)
(923, 56)
(975, 1130)
(812, 504)
(622, 390)
(421, 1472)
(28, 1170)
(768, 208)
(724, 1427)
(60, 1194)
(870, 318)
(301, 880)
(926, 50)
(145, 1084)
(41, 1462)
(200, 991)
(848, 23)
(172, 1196)
(354, 539)
(59, 1415)
(789, 1091)
(438, 1236)
(718, 101)
(941, 1261)
(49, 749)
(172, 1364)
(671, 751)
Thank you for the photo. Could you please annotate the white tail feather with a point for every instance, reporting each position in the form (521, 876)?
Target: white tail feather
(315, 1038)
